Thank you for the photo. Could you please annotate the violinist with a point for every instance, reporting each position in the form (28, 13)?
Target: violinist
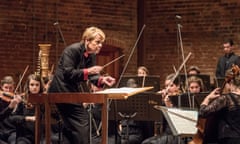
(228, 108)
(8, 103)
(7, 86)
(172, 88)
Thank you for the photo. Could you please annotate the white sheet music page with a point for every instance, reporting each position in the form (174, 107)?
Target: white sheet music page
(184, 121)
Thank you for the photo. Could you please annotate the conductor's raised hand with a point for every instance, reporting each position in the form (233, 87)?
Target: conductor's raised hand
(94, 70)
(108, 80)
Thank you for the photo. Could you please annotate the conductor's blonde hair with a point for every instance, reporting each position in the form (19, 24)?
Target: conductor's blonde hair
(91, 32)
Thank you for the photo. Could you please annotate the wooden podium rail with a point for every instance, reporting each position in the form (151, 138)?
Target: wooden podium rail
(51, 98)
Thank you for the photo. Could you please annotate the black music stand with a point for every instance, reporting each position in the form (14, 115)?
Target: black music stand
(185, 99)
(142, 104)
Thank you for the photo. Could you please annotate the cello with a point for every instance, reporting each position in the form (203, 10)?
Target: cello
(207, 127)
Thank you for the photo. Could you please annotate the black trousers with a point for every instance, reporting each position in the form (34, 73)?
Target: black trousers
(76, 123)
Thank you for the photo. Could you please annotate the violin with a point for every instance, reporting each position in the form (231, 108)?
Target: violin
(6, 96)
(204, 123)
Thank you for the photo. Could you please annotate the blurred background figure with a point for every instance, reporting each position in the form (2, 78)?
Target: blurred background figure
(193, 70)
(225, 62)
(142, 71)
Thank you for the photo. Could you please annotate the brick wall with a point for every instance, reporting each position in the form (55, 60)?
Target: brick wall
(204, 25)
(25, 24)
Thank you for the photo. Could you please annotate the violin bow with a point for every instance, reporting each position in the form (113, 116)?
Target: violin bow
(130, 56)
(180, 68)
(125, 67)
(20, 81)
(185, 71)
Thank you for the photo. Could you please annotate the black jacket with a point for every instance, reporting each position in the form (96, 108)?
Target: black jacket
(70, 71)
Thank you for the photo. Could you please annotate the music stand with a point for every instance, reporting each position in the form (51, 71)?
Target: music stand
(142, 104)
(184, 101)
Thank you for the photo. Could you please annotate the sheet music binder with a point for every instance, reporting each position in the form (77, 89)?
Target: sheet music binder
(182, 122)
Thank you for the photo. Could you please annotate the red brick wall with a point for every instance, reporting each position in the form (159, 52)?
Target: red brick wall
(204, 25)
(25, 24)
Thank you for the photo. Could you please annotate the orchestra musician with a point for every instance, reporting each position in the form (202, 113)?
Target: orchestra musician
(172, 88)
(228, 108)
(142, 71)
(193, 70)
(24, 116)
(76, 65)
(8, 102)
(195, 84)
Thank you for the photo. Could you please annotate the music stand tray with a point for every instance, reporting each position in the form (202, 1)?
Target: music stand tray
(182, 122)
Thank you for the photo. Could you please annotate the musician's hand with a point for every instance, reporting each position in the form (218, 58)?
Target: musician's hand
(94, 70)
(163, 93)
(108, 80)
(214, 94)
(85, 105)
(167, 102)
(13, 103)
(30, 118)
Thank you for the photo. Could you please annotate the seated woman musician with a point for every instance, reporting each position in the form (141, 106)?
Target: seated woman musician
(172, 88)
(195, 84)
(24, 117)
(142, 71)
(228, 108)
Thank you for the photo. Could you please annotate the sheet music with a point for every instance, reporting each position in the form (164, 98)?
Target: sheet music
(182, 122)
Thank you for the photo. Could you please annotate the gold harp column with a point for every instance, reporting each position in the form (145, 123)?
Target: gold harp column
(44, 59)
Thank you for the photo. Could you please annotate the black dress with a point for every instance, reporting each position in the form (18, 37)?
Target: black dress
(228, 109)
